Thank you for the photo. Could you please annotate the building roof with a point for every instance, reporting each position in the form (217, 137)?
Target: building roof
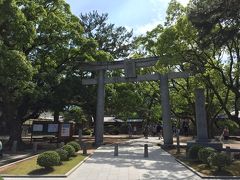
(224, 116)
(110, 119)
(48, 116)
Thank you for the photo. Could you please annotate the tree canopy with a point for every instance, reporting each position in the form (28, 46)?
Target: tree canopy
(41, 43)
(117, 41)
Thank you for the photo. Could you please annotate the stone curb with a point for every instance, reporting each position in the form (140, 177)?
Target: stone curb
(44, 176)
(77, 166)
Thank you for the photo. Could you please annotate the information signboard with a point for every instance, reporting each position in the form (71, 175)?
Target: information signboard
(65, 130)
(37, 127)
(52, 128)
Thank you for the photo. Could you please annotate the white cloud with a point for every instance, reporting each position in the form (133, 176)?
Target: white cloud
(158, 9)
(183, 2)
(146, 27)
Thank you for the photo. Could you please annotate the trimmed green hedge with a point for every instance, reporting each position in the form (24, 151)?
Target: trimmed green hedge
(63, 154)
(48, 159)
(69, 149)
(75, 145)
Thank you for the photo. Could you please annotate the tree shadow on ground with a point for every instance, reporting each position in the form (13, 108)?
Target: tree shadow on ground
(41, 171)
(222, 173)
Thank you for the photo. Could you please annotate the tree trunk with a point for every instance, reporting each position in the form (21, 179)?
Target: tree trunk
(15, 133)
(56, 116)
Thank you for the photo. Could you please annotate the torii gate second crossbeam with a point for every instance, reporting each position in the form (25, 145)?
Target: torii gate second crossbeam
(129, 66)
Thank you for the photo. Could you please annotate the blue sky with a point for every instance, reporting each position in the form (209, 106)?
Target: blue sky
(139, 15)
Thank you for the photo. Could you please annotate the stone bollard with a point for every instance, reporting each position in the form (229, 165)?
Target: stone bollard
(35, 147)
(14, 147)
(84, 148)
(145, 150)
(228, 151)
(178, 143)
(116, 150)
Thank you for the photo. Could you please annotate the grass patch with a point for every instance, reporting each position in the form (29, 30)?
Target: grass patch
(30, 167)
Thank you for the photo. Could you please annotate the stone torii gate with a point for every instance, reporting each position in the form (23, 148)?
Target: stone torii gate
(129, 66)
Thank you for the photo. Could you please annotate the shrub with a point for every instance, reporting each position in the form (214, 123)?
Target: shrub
(70, 150)
(63, 154)
(193, 152)
(75, 145)
(204, 153)
(48, 159)
(219, 160)
(87, 131)
(236, 156)
(111, 129)
(232, 125)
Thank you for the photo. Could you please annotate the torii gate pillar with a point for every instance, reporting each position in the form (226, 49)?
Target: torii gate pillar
(99, 124)
(167, 124)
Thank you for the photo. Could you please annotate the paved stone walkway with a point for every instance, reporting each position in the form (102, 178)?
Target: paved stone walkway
(129, 165)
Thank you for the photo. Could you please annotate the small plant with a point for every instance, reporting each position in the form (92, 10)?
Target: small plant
(87, 131)
(204, 153)
(70, 150)
(193, 152)
(48, 159)
(236, 156)
(75, 145)
(63, 154)
(219, 160)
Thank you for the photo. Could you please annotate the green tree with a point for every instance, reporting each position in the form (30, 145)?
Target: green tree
(117, 41)
(218, 26)
(41, 43)
(178, 50)
(74, 113)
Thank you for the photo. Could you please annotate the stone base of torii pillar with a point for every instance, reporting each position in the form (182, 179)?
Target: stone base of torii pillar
(201, 121)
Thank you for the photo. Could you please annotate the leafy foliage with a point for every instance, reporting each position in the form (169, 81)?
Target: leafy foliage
(217, 23)
(63, 154)
(74, 113)
(41, 44)
(87, 131)
(193, 152)
(232, 125)
(204, 153)
(48, 159)
(114, 40)
(75, 145)
(220, 160)
(70, 150)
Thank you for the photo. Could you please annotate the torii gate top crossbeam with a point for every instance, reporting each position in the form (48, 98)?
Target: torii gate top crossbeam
(139, 78)
(111, 65)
